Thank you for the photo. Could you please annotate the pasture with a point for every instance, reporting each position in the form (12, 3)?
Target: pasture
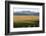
(26, 21)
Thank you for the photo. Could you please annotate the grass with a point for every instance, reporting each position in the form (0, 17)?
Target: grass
(26, 21)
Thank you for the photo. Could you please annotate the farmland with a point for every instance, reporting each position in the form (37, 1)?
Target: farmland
(26, 21)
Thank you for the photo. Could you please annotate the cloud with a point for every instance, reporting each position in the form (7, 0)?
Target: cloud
(26, 9)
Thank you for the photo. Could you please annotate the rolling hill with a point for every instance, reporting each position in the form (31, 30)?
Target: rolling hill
(26, 13)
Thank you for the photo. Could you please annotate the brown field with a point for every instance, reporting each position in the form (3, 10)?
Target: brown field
(26, 21)
(22, 18)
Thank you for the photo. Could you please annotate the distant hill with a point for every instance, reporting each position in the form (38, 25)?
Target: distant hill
(26, 13)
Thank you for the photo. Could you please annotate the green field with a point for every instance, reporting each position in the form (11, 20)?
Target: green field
(26, 21)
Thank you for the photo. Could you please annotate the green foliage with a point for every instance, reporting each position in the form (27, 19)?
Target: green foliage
(26, 24)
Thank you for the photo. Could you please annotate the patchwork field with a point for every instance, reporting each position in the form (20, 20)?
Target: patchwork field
(26, 21)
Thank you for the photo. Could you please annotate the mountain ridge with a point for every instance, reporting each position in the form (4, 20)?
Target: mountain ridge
(26, 13)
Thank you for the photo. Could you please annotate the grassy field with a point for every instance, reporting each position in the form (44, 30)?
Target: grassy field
(26, 21)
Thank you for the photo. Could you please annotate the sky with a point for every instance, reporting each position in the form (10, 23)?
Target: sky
(26, 9)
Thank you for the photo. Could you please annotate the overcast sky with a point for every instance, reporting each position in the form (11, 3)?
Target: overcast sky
(26, 9)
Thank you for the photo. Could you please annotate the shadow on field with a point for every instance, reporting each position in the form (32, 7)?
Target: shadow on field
(25, 24)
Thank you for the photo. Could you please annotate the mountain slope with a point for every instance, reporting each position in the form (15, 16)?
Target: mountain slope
(26, 13)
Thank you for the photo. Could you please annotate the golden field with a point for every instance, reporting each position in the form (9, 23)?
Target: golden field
(22, 18)
(25, 21)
